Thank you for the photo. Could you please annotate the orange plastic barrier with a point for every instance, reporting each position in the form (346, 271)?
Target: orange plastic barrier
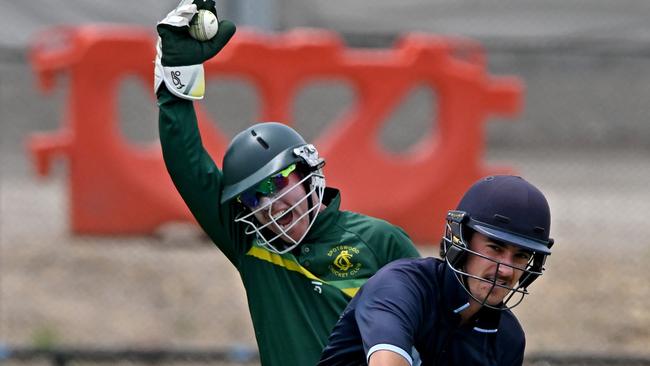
(118, 188)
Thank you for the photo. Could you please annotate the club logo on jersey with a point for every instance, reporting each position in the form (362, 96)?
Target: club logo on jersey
(343, 264)
(342, 261)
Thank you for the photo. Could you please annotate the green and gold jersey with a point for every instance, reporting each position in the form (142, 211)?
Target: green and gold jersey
(294, 298)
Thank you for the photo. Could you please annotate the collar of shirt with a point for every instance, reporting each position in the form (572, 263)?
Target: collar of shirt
(455, 299)
(327, 217)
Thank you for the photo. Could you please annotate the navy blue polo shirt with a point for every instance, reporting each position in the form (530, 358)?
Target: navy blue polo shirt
(412, 306)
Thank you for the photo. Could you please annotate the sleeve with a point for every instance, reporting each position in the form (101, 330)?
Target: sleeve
(389, 312)
(195, 175)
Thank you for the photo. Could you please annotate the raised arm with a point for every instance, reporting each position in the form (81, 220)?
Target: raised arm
(178, 81)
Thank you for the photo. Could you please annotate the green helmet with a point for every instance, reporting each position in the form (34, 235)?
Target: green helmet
(260, 151)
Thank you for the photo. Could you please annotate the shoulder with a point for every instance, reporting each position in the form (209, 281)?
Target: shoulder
(511, 335)
(403, 292)
(419, 273)
(365, 222)
(370, 229)
(385, 241)
(510, 321)
(427, 266)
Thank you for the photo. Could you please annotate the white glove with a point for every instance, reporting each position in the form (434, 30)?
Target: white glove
(187, 82)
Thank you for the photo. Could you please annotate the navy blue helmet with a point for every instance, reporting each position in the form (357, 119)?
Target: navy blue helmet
(506, 209)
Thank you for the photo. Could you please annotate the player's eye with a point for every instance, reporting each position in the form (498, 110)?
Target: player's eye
(523, 256)
(268, 187)
(249, 198)
(495, 248)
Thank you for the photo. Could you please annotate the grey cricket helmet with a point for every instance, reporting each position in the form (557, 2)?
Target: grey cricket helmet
(256, 153)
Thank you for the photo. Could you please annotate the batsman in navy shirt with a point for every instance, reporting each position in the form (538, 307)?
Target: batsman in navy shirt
(454, 310)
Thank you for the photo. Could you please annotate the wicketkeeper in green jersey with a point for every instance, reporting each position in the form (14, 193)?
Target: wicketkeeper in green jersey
(301, 259)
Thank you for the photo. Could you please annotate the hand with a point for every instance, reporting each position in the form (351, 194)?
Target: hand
(178, 47)
(180, 57)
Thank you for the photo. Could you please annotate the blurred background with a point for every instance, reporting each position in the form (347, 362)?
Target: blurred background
(583, 138)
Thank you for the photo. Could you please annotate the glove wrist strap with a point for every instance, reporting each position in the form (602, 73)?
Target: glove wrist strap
(187, 82)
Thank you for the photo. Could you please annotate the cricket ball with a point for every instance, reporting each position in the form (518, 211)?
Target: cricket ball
(204, 25)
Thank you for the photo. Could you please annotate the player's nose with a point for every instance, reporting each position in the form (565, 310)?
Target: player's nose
(505, 270)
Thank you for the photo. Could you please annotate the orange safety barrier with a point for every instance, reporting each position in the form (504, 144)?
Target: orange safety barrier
(119, 188)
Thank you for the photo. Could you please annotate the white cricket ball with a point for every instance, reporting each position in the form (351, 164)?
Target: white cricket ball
(204, 25)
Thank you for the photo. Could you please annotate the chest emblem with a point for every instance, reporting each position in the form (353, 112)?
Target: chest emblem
(343, 261)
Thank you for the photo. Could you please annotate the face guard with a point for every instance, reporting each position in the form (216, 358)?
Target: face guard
(270, 190)
(506, 209)
(455, 249)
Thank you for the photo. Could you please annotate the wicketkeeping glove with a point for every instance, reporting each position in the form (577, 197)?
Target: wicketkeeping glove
(179, 57)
